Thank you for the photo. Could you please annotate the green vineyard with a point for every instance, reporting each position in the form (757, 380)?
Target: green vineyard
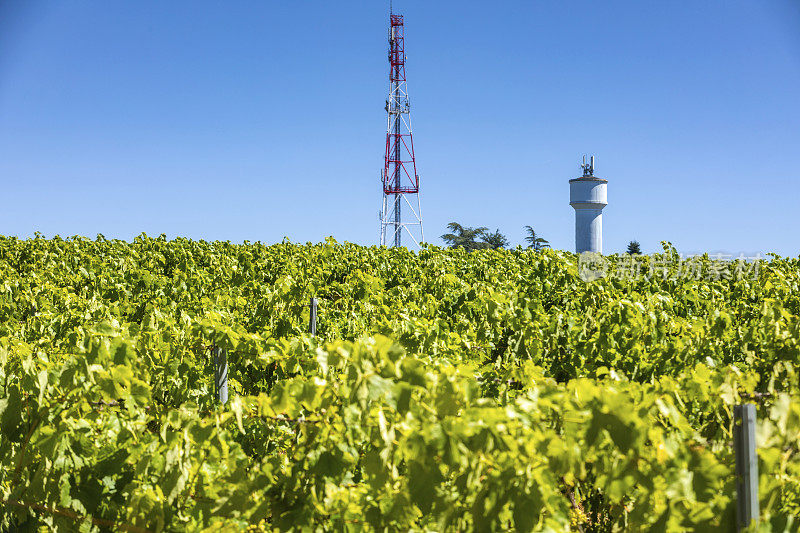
(444, 390)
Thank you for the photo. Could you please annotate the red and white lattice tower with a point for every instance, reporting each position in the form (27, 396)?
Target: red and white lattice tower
(399, 176)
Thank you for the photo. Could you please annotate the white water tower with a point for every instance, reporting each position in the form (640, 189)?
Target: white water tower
(588, 195)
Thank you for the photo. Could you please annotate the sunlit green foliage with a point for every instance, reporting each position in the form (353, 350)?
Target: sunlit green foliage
(446, 390)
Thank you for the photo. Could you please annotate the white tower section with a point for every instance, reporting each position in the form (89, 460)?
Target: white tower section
(588, 195)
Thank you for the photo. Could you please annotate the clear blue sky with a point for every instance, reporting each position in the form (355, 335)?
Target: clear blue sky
(263, 119)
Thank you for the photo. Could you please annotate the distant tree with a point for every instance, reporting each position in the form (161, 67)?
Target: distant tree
(494, 240)
(633, 248)
(464, 237)
(535, 241)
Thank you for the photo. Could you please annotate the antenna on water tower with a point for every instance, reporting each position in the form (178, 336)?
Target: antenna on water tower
(588, 170)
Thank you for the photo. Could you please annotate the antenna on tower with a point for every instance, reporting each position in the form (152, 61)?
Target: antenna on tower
(588, 169)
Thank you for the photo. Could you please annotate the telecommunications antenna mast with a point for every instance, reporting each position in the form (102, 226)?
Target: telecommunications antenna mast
(399, 175)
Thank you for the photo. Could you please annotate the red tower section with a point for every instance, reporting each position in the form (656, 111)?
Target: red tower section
(400, 168)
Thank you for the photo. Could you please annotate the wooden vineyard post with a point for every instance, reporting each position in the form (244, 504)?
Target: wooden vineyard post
(220, 373)
(312, 318)
(744, 444)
